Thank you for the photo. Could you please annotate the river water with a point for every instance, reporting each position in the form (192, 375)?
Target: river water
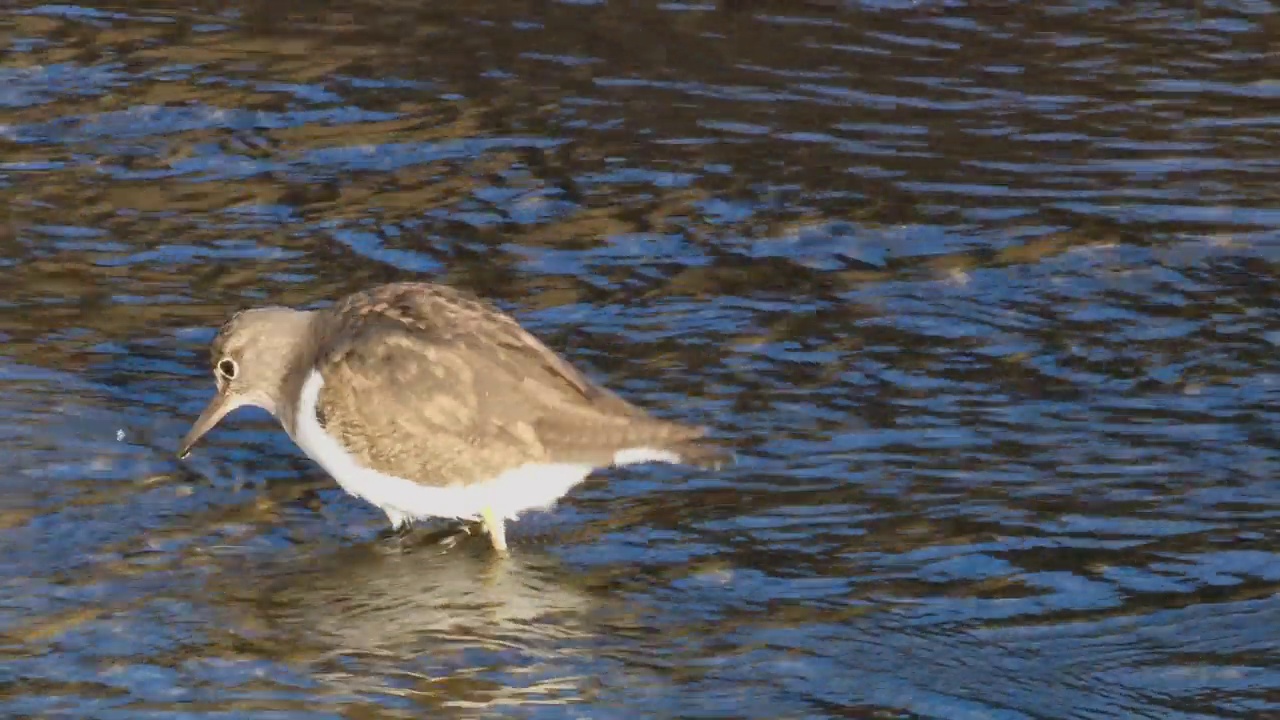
(985, 295)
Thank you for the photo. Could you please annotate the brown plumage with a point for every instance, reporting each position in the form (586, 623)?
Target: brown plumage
(463, 391)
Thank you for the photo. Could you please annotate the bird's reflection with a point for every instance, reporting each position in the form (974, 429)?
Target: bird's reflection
(381, 598)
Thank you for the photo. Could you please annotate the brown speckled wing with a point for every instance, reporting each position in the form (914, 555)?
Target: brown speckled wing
(427, 383)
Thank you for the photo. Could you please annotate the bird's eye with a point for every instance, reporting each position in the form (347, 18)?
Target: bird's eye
(227, 368)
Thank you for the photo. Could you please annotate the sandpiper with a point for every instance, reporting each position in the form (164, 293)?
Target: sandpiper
(428, 402)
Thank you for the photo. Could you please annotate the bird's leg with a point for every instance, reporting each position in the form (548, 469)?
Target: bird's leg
(400, 522)
(493, 525)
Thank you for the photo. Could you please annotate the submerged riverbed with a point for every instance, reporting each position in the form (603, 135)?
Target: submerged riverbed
(984, 294)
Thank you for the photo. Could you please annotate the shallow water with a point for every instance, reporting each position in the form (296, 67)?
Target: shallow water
(984, 294)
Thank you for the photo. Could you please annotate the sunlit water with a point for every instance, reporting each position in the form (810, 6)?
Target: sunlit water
(985, 294)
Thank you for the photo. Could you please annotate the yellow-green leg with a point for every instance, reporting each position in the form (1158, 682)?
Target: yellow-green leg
(493, 526)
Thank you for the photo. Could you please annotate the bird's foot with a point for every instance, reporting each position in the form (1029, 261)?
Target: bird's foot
(406, 537)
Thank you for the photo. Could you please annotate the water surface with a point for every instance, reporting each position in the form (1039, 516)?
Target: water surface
(985, 294)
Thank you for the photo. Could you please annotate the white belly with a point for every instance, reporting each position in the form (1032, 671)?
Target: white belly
(535, 486)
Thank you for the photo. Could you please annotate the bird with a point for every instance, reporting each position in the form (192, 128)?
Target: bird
(428, 401)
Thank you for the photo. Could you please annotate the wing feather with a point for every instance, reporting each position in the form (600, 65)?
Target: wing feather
(430, 384)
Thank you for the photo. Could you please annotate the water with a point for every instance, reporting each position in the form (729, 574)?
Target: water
(984, 294)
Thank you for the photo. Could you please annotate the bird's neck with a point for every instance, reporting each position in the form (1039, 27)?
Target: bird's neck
(300, 345)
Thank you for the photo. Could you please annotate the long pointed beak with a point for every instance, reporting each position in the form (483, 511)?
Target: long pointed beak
(218, 407)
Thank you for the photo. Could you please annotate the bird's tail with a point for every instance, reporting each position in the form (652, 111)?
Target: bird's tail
(631, 442)
(702, 453)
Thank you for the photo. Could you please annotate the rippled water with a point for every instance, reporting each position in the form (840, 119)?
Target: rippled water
(985, 293)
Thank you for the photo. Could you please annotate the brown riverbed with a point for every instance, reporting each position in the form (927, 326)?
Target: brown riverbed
(985, 294)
